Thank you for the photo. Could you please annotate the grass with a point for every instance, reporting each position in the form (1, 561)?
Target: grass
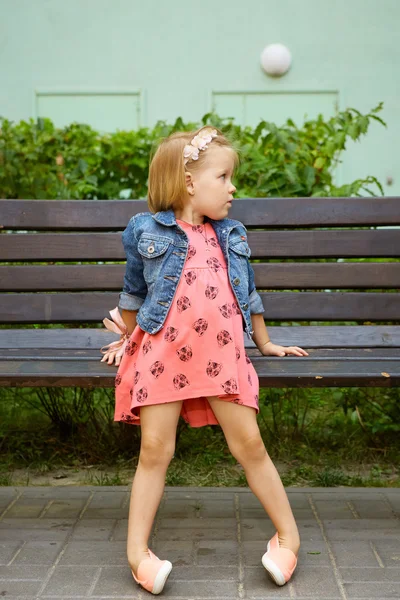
(309, 436)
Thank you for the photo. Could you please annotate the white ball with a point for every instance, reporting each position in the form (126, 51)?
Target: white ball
(276, 59)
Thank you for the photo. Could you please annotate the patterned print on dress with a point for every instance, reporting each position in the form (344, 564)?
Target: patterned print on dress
(131, 348)
(156, 368)
(198, 228)
(190, 277)
(230, 386)
(236, 401)
(249, 379)
(147, 347)
(171, 334)
(214, 264)
(125, 417)
(185, 353)
(237, 353)
(211, 292)
(200, 326)
(247, 359)
(136, 379)
(225, 310)
(183, 303)
(223, 338)
(142, 394)
(191, 251)
(180, 381)
(256, 398)
(213, 368)
(213, 241)
(235, 308)
(118, 379)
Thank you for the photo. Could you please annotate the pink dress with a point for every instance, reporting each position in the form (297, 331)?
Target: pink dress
(199, 351)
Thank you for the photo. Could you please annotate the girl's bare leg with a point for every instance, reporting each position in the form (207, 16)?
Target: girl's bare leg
(243, 437)
(158, 423)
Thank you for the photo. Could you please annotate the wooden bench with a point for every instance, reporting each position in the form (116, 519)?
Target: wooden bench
(286, 232)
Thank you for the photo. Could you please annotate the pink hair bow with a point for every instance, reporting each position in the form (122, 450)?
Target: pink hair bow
(120, 327)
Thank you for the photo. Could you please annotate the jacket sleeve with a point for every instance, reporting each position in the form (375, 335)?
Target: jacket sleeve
(256, 305)
(134, 290)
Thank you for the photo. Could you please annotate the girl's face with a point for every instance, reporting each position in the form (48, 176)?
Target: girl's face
(211, 189)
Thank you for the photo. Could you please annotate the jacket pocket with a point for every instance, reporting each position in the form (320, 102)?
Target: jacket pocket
(153, 250)
(152, 246)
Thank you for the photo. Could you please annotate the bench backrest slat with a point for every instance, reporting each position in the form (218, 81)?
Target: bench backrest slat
(36, 278)
(264, 244)
(91, 307)
(90, 231)
(270, 212)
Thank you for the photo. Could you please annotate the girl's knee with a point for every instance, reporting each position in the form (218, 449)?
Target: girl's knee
(158, 437)
(249, 449)
(156, 452)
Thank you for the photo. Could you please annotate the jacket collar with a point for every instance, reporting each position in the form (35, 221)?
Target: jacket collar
(167, 217)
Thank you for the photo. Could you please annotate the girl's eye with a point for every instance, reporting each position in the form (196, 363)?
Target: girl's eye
(224, 175)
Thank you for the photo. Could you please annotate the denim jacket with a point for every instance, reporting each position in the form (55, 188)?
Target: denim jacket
(156, 248)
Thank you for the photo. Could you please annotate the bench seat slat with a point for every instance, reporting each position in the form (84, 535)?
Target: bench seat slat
(93, 354)
(274, 372)
(332, 336)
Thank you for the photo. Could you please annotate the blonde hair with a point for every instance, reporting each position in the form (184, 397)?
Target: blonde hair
(167, 185)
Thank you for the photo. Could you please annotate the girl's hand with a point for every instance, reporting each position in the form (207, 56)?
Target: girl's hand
(270, 349)
(115, 350)
(110, 356)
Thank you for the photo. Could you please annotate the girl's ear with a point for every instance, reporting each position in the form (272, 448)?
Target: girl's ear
(189, 183)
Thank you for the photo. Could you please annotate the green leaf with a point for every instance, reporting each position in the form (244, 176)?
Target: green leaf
(331, 148)
(309, 177)
(291, 172)
(379, 120)
(258, 130)
(354, 130)
(378, 108)
(364, 122)
(340, 139)
(319, 163)
(82, 165)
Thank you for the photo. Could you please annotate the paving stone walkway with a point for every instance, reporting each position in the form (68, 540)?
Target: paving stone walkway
(70, 542)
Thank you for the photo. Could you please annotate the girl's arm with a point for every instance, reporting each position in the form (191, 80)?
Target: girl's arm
(129, 318)
(265, 345)
(260, 335)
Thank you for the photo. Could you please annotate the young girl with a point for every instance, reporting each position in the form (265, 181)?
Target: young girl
(188, 295)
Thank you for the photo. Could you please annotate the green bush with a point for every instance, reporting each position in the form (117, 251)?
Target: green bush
(38, 160)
